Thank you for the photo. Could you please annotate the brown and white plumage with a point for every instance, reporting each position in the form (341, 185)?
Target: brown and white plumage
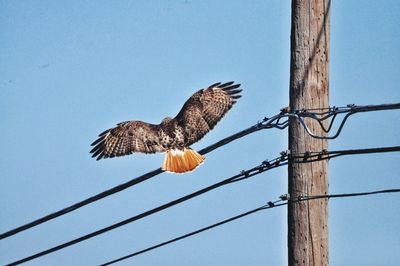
(200, 113)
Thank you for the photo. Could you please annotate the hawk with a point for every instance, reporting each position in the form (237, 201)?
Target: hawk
(200, 113)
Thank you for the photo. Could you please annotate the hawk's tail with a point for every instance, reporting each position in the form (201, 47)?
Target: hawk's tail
(181, 161)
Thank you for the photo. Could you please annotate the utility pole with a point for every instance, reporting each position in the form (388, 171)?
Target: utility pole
(309, 88)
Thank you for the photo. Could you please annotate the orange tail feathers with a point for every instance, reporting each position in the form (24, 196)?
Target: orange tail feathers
(178, 161)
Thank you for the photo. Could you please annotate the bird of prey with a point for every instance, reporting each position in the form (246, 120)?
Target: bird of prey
(200, 113)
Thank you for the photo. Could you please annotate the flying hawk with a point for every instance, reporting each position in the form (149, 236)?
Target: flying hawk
(200, 113)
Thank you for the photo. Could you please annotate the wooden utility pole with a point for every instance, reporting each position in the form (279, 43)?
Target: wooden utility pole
(309, 87)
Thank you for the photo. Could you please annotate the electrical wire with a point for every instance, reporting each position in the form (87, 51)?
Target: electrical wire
(269, 205)
(333, 112)
(193, 233)
(324, 154)
(243, 174)
(266, 165)
(273, 122)
(266, 123)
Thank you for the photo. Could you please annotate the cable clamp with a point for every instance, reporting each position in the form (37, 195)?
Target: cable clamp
(321, 153)
(285, 154)
(301, 197)
(285, 197)
(285, 110)
(306, 155)
(266, 163)
(244, 173)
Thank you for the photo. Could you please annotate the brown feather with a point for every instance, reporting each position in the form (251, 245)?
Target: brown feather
(205, 109)
(200, 113)
(126, 138)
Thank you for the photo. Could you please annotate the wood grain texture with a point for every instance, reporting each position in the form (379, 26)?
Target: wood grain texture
(309, 88)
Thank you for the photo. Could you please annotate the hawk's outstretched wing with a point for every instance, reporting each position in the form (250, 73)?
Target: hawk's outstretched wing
(126, 138)
(199, 114)
(205, 108)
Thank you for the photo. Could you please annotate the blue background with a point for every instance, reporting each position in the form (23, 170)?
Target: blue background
(71, 69)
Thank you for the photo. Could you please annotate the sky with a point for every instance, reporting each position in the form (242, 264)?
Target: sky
(71, 69)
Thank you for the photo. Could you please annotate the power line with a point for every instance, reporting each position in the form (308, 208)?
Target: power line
(346, 195)
(279, 121)
(243, 174)
(324, 154)
(269, 205)
(273, 122)
(333, 112)
(263, 167)
(82, 203)
(195, 232)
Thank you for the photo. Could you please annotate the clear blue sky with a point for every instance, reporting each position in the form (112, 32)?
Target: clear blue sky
(71, 69)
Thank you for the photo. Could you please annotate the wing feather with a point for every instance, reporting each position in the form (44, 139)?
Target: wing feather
(204, 109)
(126, 138)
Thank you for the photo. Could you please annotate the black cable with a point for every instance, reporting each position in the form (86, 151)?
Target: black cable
(250, 172)
(324, 154)
(349, 110)
(82, 203)
(346, 195)
(273, 122)
(266, 124)
(193, 233)
(264, 166)
(269, 205)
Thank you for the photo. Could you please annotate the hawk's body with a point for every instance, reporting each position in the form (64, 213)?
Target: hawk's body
(201, 112)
